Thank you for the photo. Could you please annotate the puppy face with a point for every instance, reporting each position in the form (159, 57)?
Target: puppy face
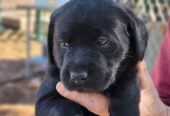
(90, 40)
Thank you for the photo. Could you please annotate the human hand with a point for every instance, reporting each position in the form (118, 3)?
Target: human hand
(150, 104)
(94, 102)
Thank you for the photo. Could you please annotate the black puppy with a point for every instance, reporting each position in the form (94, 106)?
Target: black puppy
(93, 45)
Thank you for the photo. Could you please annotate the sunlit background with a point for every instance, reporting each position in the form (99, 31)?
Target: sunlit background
(23, 35)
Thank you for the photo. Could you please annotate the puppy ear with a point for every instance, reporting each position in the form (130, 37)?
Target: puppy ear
(53, 70)
(138, 35)
(51, 27)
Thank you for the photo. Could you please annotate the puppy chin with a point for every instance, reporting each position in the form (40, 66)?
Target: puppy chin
(83, 87)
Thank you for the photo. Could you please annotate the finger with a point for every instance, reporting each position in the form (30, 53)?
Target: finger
(94, 102)
(72, 95)
(143, 74)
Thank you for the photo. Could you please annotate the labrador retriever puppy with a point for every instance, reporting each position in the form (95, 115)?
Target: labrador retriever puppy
(93, 46)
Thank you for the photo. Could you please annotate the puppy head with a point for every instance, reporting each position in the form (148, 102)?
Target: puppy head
(89, 39)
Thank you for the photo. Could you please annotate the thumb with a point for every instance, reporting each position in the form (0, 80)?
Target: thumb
(144, 76)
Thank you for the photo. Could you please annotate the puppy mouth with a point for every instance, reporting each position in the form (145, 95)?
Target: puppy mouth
(80, 88)
(76, 86)
(94, 83)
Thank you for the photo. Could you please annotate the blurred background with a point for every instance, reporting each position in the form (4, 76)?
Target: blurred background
(23, 35)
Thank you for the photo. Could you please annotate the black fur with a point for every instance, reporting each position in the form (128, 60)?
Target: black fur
(93, 45)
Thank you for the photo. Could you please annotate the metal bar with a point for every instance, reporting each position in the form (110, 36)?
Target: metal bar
(28, 44)
(38, 24)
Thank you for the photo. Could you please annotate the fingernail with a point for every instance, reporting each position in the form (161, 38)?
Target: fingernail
(141, 65)
(60, 87)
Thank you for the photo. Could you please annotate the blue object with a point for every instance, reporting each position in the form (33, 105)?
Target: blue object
(39, 60)
(50, 3)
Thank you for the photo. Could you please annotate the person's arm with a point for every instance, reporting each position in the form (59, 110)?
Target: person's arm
(161, 71)
(150, 104)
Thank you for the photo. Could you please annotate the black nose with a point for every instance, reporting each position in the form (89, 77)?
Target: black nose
(78, 77)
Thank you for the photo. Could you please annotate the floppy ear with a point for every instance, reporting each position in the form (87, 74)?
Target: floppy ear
(51, 27)
(53, 70)
(138, 35)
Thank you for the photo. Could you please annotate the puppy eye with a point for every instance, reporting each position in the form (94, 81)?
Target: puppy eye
(102, 40)
(63, 44)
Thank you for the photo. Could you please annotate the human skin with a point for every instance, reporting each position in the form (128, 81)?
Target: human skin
(150, 104)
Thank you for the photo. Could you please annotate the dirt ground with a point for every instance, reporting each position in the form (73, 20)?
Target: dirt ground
(16, 110)
(17, 98)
